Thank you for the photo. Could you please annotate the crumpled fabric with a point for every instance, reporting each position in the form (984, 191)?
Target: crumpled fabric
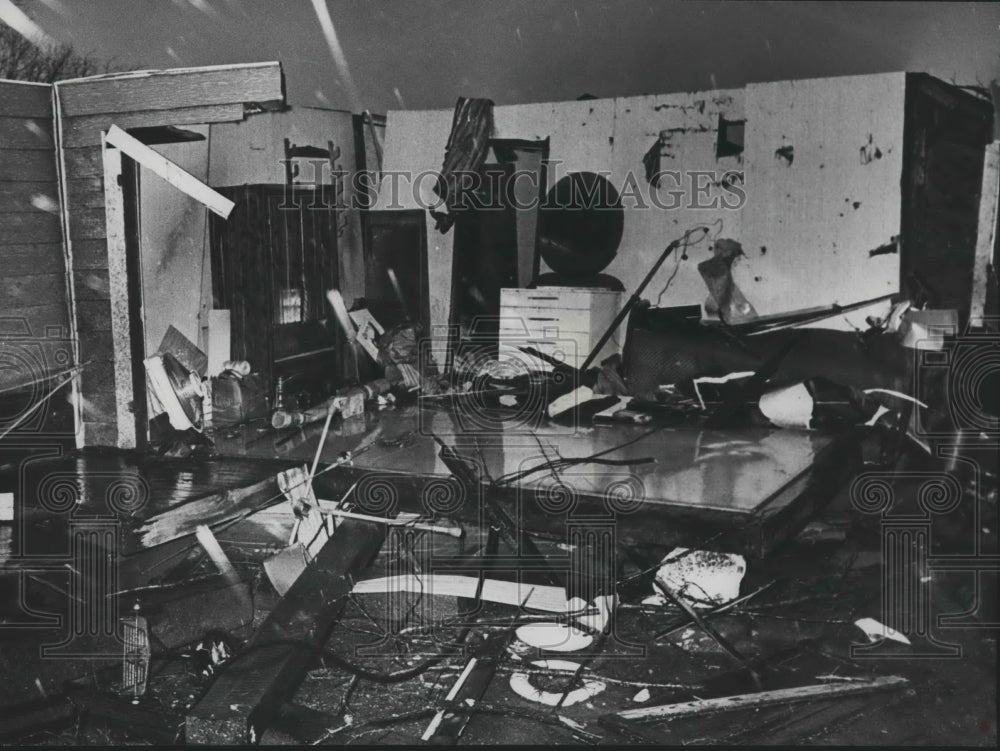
(468, 145)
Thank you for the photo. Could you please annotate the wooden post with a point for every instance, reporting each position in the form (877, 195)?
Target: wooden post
(243, 701)
(986, 229)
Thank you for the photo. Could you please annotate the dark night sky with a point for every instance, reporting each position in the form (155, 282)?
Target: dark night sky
(420, 54)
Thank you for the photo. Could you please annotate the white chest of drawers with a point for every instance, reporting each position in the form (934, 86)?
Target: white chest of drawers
(562, 322)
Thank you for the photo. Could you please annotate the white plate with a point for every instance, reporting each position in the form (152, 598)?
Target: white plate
(554, 637)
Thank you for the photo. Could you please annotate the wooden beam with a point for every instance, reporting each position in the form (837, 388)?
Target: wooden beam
(172, 89)
(986, 231)
(817, 692)
(86, 131)
(180, 179)
(121, 323)
(244, 699)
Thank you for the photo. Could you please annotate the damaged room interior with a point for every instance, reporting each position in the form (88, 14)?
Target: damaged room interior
(408, 373)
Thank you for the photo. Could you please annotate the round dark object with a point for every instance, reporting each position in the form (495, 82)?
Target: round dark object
(580, 225)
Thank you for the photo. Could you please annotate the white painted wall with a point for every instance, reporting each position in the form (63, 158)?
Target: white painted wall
(817, 242)
(819, 216)
(174, 263)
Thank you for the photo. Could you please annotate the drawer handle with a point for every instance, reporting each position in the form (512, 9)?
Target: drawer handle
(542, 298)
(542, 319)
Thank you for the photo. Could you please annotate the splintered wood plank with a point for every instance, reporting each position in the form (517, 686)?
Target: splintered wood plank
(86, 131)
(817, 692)
(167, 170)
(183, 519)
(172, 89)
(244, 699)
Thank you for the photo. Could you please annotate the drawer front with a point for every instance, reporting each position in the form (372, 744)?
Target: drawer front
(532, 320)
(556, 297)
(569, 348)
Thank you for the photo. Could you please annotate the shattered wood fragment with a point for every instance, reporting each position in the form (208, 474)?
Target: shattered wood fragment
(816, 692)
(183, 520)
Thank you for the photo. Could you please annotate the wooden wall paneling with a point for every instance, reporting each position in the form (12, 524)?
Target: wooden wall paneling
(90, 254)
(33, 258)
(93, 315)
(96, 346)
(29, 229)
(85, 193)
(99, 433)
(99, 405)
(29, 133)
(92, 284)
(87, 130)
(29, 197)
(37, 319)
(83, 163)
(87, 224)
(27, 166)
(37, 289)
(165, 90)
(21, 99)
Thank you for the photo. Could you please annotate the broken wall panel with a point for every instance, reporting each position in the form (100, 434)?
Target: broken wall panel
(824, 160)
(34, 334)
(88, 107)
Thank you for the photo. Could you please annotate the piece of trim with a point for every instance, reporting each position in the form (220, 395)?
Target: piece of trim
(62, 186)
(986, 228)
(114, 213)
(179, 178)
